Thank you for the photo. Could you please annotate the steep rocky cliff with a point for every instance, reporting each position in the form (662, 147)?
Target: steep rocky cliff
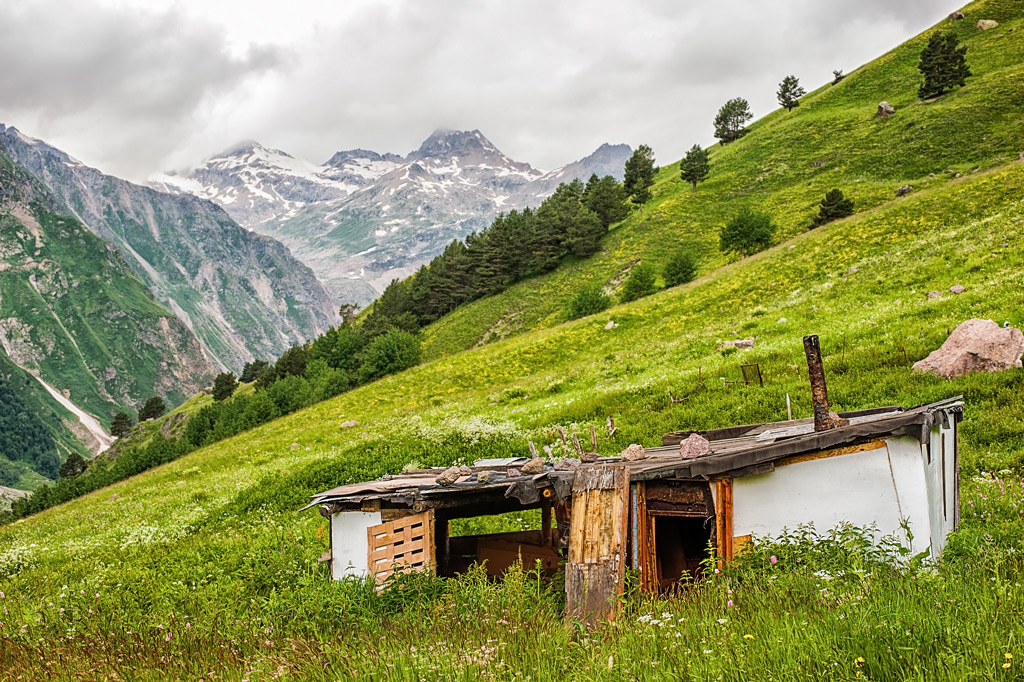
(242, 294)
(74, 316)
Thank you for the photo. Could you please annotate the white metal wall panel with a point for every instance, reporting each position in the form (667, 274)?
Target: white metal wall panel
(348, 542)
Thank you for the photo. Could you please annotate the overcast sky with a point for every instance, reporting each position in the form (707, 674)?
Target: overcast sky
(135, 87)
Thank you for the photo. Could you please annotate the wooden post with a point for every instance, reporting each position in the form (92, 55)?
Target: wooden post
(723, 519)
(595, 571)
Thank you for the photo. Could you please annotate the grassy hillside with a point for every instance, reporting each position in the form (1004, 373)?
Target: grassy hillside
(789, 160)
(204, 568)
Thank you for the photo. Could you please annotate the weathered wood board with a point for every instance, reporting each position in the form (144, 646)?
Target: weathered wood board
(596, 568)
(405, 544)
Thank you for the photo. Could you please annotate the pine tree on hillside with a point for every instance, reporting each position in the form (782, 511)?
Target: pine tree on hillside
(943, 65)
(73, 466)
(731, 119)
(585, 232)
(121, 425)
(833, 207)
(790, 92)
(607, 198)
(224, 385)
(252, 370)
(695, 166)
(554, 219)
(639, 175)
(153, 408)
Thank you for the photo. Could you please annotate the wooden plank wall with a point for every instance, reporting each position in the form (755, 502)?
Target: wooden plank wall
(595, 571)
(405, 544)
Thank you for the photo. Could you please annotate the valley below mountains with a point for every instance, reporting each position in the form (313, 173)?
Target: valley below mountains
(363, 218)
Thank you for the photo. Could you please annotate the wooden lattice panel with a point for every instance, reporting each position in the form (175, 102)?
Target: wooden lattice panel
(405, 544)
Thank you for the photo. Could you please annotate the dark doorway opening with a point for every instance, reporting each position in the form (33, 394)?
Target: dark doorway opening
(681, 544)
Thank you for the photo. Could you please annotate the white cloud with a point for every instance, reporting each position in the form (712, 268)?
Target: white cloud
(136, 90)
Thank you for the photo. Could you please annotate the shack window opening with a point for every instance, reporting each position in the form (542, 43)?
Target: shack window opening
(500, 540)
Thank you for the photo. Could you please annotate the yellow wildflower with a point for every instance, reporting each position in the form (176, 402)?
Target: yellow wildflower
(748, 637)
(1008, 656)
(859, 661)
(1006, 665)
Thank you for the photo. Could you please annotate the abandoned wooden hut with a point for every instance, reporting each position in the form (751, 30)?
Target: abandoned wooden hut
(663, 514)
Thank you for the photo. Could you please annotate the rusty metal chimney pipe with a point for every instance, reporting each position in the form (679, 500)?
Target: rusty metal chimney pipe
(819, 392)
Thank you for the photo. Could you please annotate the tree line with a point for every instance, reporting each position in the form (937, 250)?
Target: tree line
(517, 245)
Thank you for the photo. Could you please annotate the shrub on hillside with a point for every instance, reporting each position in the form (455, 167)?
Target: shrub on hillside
(681, 268)
(589, 300)
(749, 232)
(392, 352)
(833, 207)
(640, 283)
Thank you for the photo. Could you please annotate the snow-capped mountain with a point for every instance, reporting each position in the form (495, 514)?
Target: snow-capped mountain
(363, 218)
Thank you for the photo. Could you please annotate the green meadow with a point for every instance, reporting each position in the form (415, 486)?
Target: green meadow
(204, 569)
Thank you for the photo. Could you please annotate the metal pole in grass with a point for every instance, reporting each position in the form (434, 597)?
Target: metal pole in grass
(789, 409)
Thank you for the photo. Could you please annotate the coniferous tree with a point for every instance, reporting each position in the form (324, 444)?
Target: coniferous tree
(392, 310)
(790, 92)
(224, 385)
(638, 175)
(833, 207)
(607, 198)
(252, 370)
(731, 119)
(585, 232)
(695, 166)
(943, 64)
(121, 425)
(73, 466)
(153, 408)
(292, 362)
(552, 223)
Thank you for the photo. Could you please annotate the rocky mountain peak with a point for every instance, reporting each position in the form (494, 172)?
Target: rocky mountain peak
(343, 158)
(443, 143)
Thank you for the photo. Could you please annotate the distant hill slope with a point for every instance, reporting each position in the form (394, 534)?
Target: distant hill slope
(243, 294)
(786, 164)
(74, 315)
(363, 218)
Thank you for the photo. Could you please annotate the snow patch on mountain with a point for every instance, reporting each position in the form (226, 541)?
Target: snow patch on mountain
(364, 218)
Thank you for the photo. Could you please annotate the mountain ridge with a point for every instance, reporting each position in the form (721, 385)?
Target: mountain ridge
(243, 294)
(364, 218)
